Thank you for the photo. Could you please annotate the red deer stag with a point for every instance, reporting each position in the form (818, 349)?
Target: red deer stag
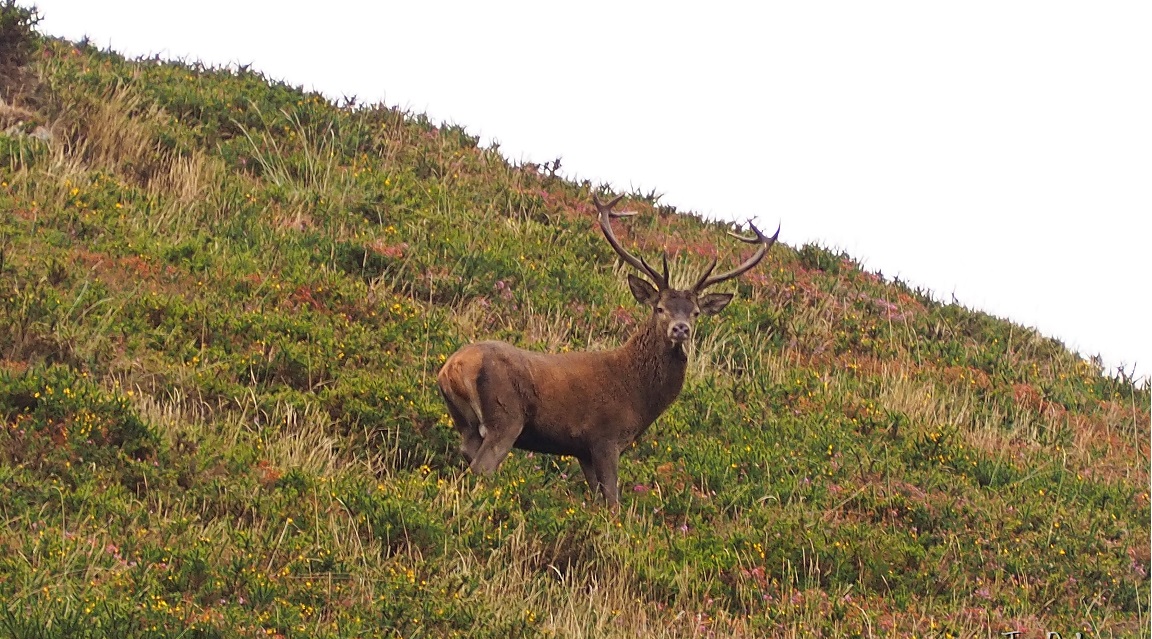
(590, 405)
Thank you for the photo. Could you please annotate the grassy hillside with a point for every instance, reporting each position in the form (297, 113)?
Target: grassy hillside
(223, 302)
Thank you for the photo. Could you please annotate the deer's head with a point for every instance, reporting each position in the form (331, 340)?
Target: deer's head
(675, 310)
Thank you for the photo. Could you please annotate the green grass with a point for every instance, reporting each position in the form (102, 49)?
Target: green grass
(225, 301)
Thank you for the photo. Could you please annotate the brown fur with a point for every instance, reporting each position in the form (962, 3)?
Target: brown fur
(589, 405)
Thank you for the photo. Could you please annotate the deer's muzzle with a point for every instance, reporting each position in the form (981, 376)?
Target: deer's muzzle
(680, 332)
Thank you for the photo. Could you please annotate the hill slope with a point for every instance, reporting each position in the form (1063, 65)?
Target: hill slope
(225, 301)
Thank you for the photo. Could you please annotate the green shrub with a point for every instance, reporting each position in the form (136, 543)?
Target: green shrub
(18, 41)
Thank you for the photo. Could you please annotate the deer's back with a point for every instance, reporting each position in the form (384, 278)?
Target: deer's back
(569, 401)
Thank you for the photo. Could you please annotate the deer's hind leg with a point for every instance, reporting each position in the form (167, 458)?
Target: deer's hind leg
(468, 424)
(458, 388)
(498, 442)
(504, 420)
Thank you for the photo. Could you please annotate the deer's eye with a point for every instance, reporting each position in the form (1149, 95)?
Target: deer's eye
(660, 310)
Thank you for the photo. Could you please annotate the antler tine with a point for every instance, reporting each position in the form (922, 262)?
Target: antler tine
(755, 239)
(606, 215)
(601, 207)
(707, 279)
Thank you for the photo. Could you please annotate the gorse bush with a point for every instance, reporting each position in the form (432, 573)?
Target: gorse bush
(18, 41)
(224, 301)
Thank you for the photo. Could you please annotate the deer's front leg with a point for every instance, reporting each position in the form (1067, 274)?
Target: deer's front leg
(606, 464)
(589, 473)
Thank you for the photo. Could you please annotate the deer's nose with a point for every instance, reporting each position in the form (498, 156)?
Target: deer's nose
(680, 331)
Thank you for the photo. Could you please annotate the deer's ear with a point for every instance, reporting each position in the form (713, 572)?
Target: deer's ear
(644, 292)
(713, 303)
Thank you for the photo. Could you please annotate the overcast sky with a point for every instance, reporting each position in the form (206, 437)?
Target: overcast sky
(998, 151)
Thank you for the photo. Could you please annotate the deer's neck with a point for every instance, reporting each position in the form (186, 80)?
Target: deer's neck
(657, 368)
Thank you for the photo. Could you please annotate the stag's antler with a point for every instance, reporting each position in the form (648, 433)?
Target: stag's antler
(606, 215)
(707, 279)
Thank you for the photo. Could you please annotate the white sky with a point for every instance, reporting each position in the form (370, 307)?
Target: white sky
(998, 151)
